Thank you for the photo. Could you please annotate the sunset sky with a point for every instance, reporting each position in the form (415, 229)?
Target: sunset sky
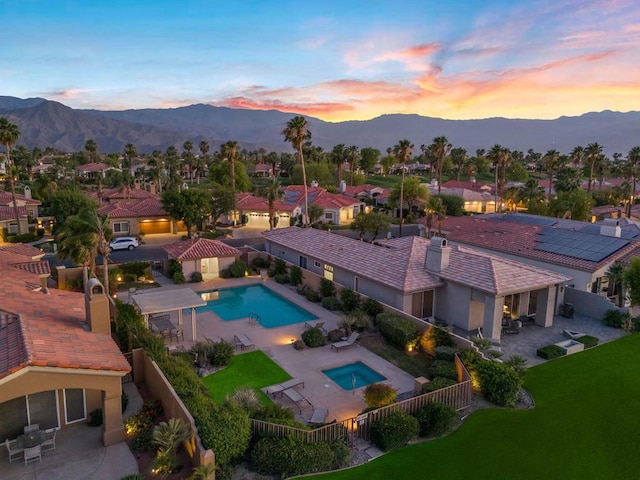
(336, 60)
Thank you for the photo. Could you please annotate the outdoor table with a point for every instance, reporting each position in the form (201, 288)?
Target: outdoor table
(31, 439)
(163, 325)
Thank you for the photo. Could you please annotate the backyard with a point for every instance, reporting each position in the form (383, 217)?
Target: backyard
(583, 426)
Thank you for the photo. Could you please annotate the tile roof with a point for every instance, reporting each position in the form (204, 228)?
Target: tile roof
(294, 197)
(6, 199)
(475, 186)
(519, 239)
(148, 207)
(92, 167)
(200, 248)
(46, 329)
(8, 213)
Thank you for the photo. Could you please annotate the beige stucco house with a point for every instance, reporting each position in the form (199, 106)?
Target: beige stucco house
(202, 255)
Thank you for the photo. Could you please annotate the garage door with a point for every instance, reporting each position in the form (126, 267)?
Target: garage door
(155, 226)
(258, 220)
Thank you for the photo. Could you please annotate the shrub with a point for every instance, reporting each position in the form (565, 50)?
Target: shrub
(499, 383)
(259, 262)
(372, 307)
(24, 238)
(279, 267)
(178, 278)
(588, 341)
(139, 269)
(95, 417)
(246, 398)
(550, 352)
(282, 278)
(518, 363)
(398, 331)
(331, 303)
(311, 295)
(313, 337)
(437, 383)
(196, 277)
(295, 274)
(442, 368)
(327, 288)
(436, 337)
(298, 345)
(174, 267)
(349, 299)
(378, 395)
(220, 353)
(238, 269)
(615, 318)
(225, 273)
(273, 413)
(435, 419)
(445, 353)
(226, 430)
(335, 335)
(396, 430)
(480, 342)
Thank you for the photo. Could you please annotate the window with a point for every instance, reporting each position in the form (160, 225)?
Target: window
(74, 405)
(120, 227)
(328, 272)
(328, 216)
(303, 262)
(317, 264)
(355, 284)
(13, 228)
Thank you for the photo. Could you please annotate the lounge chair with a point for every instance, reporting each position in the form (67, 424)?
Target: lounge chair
(14, 452)
(346, 343)
(319, 415)
(50, 439)
(296, 397)
(281, 387)
(319, 325)
(32, 454)
(243, 341)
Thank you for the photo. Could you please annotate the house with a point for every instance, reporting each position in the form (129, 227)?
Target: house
(202, 255)
(27, 209)
(94, 170)
(265, 170)
(429, 279)
(362, 192)
(580, 250)
(58, 360)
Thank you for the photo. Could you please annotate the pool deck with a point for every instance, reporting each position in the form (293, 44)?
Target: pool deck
(306, 364)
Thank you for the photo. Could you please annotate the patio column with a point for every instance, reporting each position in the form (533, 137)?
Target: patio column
(193, 323)
(492, 323)
(523, 308)
(546, 306)
(179, 316)
(112, 426)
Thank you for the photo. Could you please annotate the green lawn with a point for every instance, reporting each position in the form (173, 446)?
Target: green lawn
(252, 369)
(585, 425)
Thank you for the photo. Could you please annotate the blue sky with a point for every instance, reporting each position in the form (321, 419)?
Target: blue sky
(334, 60)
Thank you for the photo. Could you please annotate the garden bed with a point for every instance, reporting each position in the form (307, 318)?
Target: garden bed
(416, 365)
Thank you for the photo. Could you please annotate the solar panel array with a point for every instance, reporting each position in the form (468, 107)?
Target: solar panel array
(527, 219)
(584, 246)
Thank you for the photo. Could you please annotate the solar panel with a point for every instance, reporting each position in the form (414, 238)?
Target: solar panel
(584, 246)
(526, 219)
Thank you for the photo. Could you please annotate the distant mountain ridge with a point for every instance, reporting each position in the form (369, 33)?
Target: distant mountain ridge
(45, 123)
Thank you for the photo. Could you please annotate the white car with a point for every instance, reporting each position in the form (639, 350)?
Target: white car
(123, 243)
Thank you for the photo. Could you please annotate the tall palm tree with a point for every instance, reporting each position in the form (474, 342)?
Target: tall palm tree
(440, 149)
(272, 191)
(9, 134)
(402, 151)
(188, 157)
(531, 193)
(353, 154)
(459, 158)
(577, 156)
(591, 154)
(297, 132)
(92, 148)
(229, 150)
(129, 152)
(338, 156)
(632, 163)
(496, 157)
(550, 161)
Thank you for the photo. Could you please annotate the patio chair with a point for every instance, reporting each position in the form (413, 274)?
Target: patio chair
(32, 454)
(319, 415)
(32, 428)
(50, 440)
(319, 325)
(296, 397)
(346, 343)
(281, 387)
(14, 452)
(243, 341)
(178, 335)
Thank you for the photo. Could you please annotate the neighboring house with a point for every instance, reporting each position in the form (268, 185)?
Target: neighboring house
(58, 360)
(428, 279)
(202, 255)
(362, 192)
(27, 209)
(265, 170)
(580, 250)
(94, 170)
(133, 211)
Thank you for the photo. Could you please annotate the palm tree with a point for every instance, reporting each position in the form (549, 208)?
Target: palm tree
(496, 157)
(296, 132)
(577, 156)
(188, 157)
(353, 154)
(440, 149)
(459, 158)
(272, 191)
(402, 151)
(92, 147)
(130, 152)
(615, 275)
(229, 150)
(9, 134)
(531, 193)
(550, 161)
(337, 157)
(591, 154)
(633, 162)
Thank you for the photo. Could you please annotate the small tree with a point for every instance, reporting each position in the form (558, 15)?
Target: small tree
(632, 281)
(379, 395)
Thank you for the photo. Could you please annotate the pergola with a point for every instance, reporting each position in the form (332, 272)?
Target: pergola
(151, 302)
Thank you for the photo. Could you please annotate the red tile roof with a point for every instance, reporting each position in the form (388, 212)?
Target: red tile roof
(92, 167)
(6, 199)
(46, 329)
(149, 207)
(475, 186)
(196, 248)
(294, 197)
(8, 213)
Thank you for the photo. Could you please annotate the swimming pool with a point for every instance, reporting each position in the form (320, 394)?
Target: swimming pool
(236, 303)
(353, 375)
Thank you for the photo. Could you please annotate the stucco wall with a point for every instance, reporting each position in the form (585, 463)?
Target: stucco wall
(452, 304)
(588, 304)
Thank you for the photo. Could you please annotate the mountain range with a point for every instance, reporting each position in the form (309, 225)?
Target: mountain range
(44, 123)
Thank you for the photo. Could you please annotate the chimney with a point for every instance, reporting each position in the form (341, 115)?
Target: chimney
(96, 305)
(472, 179)
(27, 192)
(343, 186)
(437, 258)
(611, 227)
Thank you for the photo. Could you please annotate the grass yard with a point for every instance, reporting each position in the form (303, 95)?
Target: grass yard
(252, 369)
(585, 426)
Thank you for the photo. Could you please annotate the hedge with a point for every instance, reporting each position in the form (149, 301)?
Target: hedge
(588, 341)
(437, 383)
(396, 430)
(550, 352)
(435, 419)
(313, 337)
(398, 331)
(499, 383)
(443, 368)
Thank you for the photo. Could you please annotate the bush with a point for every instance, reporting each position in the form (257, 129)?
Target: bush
(311, 295)
(139, 269)
(550, 352)
(327, 288)
(282, 278)
(313, 337)
(298, 345)
(196, 277)
(615, 318)
(443, 368)
(95, 417)
(295, 275)
(398, 331)
(178, 278)
(437, 383)
(499, 383)
(335, 335)
(225, 273)
(378, 395)
(372, 307)
(279, 267)
(238, 269)
(24, 238)
(435, 419)
(396, 430)
(220, 353)
(445, 353)
(349, 299)
(273, 413)
(259, 262)
(174, 267)
(436, 337)
(331, 303)
(224, 429)
(588, 341)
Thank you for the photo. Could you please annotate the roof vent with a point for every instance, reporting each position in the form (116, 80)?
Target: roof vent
(611, 227)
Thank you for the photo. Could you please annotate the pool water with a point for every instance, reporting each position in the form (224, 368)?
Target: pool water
(236, 303)
(353, 375)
